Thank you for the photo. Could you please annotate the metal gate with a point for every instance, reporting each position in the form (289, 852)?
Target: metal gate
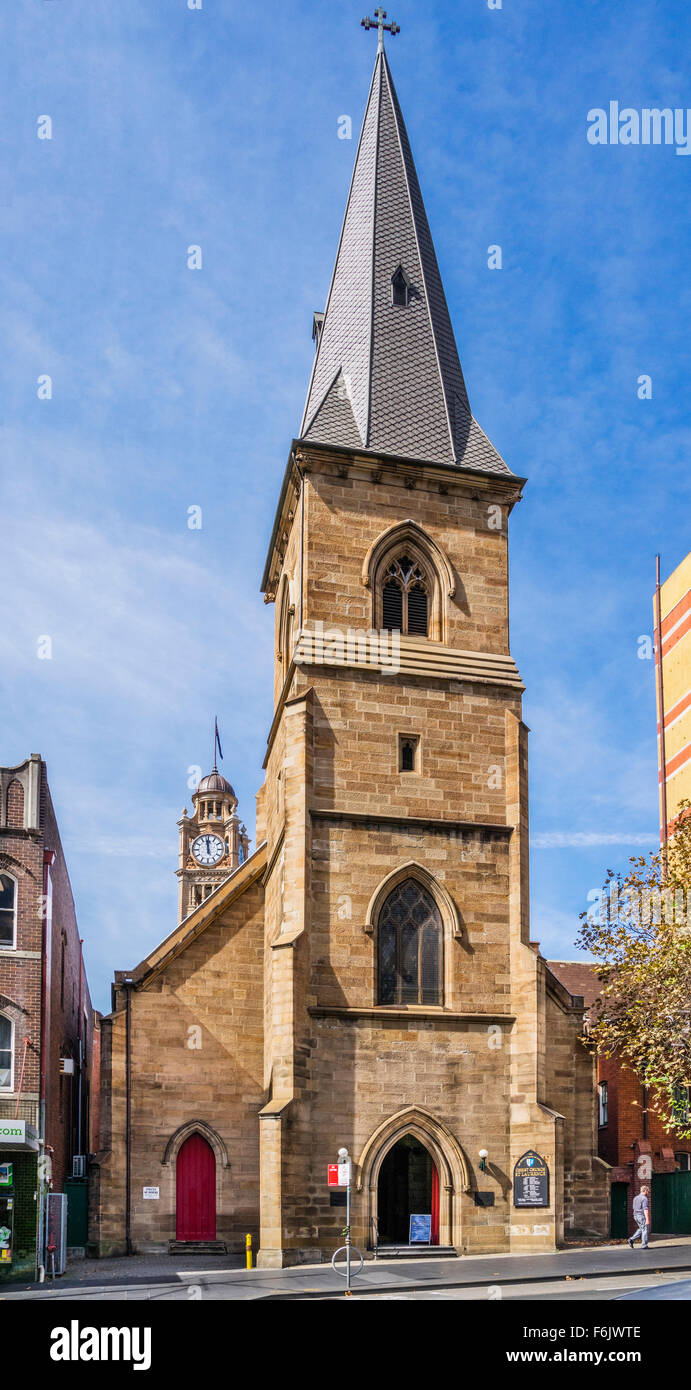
(56, 1232)
(671, 1204)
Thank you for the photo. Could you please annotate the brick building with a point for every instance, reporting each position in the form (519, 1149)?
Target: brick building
(46, 1018)
(631, 1136)
(364, 978)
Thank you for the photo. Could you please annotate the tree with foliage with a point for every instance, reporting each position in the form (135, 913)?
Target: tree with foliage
(639, 932)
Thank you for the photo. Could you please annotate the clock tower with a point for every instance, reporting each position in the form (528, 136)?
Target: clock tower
(213, 842)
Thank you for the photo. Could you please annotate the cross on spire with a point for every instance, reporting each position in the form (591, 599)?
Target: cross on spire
(378, 21)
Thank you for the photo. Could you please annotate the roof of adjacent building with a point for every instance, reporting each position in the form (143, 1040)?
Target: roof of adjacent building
(578, 977)
(388, 378)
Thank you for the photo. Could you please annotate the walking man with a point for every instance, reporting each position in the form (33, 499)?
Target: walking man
(641, 1215)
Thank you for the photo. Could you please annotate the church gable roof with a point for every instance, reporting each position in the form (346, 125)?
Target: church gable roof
(386, 335)
(202, 917)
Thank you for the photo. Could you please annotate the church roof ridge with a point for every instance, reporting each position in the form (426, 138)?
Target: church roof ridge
(387, 375)
(201, 916)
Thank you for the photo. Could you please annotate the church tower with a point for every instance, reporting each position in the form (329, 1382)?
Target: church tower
(407, 1017)
(213, 842)
(365, 978)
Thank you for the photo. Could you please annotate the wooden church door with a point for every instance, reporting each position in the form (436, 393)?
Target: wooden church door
(196, 1190)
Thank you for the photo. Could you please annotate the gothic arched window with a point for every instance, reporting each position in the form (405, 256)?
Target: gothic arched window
(8, 910)
(6, 1053)
(405, 595)
(410, 946)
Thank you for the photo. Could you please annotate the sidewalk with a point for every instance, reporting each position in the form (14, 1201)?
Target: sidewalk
(114, 1279)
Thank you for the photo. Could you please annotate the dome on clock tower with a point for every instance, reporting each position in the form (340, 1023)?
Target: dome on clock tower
(214, 782)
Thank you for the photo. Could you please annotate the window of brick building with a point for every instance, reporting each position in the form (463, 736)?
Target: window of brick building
(410, 946)
(681, 1104)
(6, 1053)
(683, 1162)
(602, 1103)
(8, 911)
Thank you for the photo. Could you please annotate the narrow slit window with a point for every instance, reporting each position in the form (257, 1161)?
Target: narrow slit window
(408, 752)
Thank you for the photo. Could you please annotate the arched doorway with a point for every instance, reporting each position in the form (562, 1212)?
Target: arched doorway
(195, 1205)
(408, 1186)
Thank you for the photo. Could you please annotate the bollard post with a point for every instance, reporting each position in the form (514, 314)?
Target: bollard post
(248, 1251)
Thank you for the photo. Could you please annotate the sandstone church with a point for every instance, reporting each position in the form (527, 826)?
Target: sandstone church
(364, 978)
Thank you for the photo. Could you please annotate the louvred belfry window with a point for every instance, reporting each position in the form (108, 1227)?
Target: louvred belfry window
(405, 597)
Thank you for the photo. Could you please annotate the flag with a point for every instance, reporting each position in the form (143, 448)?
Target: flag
(217, 741)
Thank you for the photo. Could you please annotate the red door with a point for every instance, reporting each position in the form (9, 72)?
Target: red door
(196, 1190)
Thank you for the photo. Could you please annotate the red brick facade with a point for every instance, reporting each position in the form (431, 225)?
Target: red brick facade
(43, 961)
(632, 1138)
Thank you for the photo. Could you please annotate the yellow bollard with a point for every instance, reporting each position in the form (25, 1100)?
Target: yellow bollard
(248, 1251)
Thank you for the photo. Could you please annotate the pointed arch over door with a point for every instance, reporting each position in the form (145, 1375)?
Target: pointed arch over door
(453, 1169)
(408, 1185)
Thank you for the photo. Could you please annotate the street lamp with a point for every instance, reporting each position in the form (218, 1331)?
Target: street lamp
(483, 1160)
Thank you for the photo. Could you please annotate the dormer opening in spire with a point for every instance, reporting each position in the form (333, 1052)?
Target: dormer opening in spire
(400, 288)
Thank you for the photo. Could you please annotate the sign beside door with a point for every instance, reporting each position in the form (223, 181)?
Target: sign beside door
(531, 1181)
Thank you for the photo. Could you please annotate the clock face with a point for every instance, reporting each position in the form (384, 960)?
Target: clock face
(208, 849)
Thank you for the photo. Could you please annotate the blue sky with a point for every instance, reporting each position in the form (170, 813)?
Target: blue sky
(174, 388)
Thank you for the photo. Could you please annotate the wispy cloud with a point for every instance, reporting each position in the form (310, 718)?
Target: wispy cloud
(583, 839)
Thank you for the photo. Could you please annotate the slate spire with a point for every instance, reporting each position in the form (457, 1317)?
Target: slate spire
(386, 376)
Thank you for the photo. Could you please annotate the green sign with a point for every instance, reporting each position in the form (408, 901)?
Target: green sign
(5, 1174)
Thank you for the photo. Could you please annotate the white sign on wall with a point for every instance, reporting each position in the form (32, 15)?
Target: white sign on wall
(18, 1134)
(152, 1193)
